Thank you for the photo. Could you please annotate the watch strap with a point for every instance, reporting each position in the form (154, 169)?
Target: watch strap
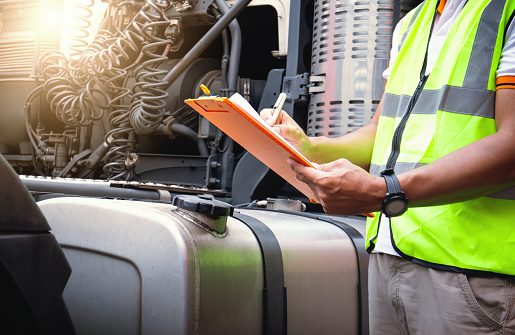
(392, 183)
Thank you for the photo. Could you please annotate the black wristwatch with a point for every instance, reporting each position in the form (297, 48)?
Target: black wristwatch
(395, 203)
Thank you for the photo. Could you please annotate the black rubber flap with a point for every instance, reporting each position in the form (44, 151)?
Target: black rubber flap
(18, 210)
(33, 274)
(204, 204)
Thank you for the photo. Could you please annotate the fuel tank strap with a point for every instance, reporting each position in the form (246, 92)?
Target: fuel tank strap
(274, 292)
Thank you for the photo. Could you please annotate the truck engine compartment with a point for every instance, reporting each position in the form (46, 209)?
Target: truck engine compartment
(103, 97)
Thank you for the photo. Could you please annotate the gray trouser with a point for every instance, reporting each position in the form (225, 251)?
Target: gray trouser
(406, 298)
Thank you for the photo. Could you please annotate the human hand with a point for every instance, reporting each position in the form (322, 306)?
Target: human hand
(289, 129)
(342, 187)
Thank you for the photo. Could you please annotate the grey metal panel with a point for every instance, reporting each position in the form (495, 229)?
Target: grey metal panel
(172, 169)
(297, 63)
(12, 127)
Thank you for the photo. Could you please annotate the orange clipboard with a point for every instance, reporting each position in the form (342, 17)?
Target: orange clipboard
(264, 144)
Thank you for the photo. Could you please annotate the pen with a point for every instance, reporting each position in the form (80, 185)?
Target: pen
(278, 107)
(205, 89)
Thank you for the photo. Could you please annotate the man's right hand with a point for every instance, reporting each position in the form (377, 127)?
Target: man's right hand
(289, 129)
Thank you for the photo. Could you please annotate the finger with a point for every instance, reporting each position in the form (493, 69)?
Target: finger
(297, 166)
(283, 130)
(299, 169)
(281, 118)
(294, 165)
(304, 173)
(266, 114)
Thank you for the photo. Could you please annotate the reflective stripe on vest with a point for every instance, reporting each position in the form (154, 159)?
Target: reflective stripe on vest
(455, 109)
(416, 12)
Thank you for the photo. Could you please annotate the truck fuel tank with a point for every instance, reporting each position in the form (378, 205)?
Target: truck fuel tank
(156, 268)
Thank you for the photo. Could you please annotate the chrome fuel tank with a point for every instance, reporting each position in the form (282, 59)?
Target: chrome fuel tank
(150, 268)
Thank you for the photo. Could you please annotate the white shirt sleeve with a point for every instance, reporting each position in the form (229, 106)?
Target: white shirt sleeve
(395, 49)
(507, 62)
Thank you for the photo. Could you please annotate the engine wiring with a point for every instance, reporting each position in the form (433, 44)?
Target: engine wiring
(116, 82)
(93, 81)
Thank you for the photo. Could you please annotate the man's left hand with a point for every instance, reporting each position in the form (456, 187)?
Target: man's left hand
(342, 187)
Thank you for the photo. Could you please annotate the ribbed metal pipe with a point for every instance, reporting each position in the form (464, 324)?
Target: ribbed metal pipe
(351, 48)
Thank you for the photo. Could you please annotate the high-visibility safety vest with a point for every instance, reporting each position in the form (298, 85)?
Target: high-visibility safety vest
(455, 107)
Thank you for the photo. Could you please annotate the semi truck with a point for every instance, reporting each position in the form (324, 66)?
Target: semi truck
(126, 212)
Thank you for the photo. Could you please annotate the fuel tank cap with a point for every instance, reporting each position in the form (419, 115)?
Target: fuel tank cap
(203, 204)
(205, 211)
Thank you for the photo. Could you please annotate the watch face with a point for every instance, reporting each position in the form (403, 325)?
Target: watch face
(396, 207)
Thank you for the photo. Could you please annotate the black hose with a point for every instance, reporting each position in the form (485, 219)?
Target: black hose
(226, 51)
(205, 41)
(189, 133)
(234, 63)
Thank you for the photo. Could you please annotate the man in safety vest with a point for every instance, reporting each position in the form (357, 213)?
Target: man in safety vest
(440, 152)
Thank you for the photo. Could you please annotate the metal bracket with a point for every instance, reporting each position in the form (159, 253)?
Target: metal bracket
(296, 87)
(316, 84)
